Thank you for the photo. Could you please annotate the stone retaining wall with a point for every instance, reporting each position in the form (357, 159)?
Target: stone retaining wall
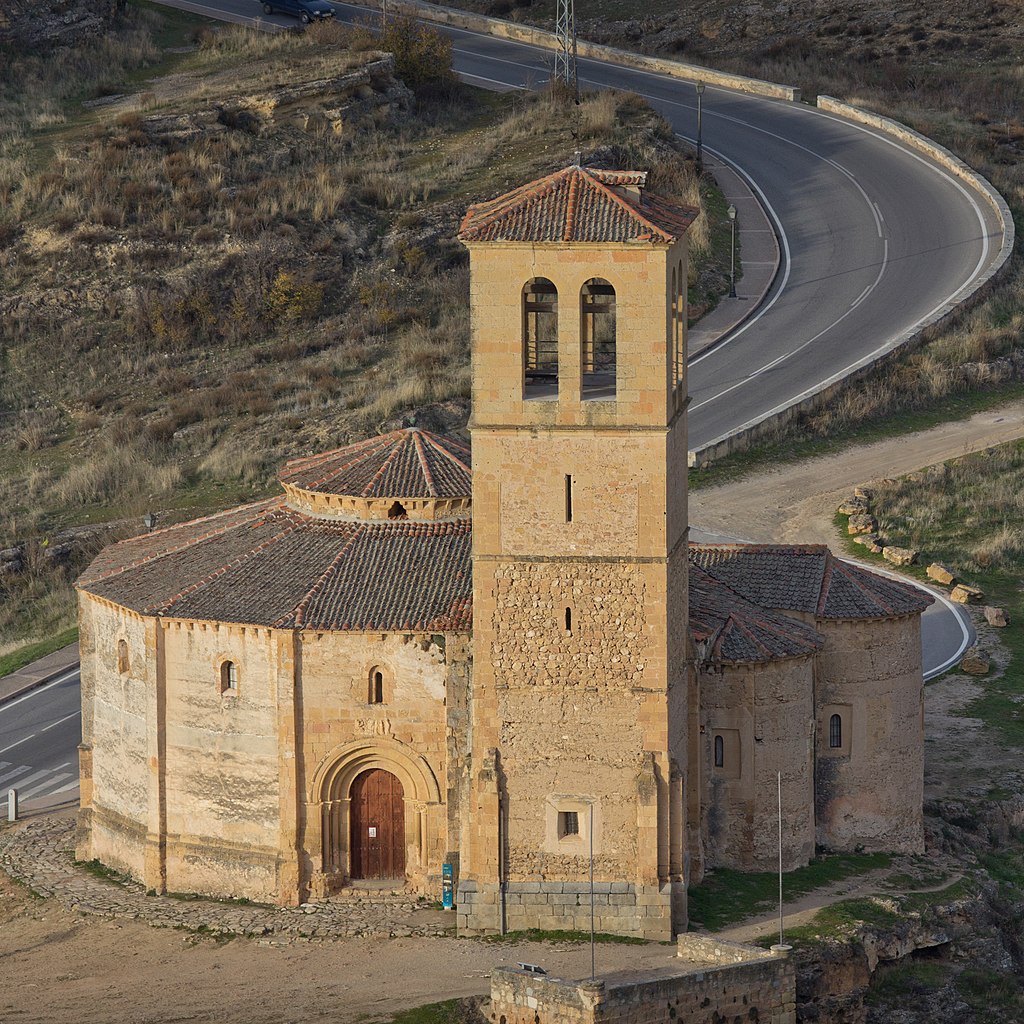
(740, 983)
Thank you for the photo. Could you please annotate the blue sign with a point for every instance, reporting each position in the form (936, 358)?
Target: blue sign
(447, 887)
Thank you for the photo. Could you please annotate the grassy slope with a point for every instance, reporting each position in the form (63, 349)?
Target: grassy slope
(232, 298)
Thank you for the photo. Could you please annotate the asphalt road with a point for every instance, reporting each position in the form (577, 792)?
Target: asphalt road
(39, 736)
(875, 238)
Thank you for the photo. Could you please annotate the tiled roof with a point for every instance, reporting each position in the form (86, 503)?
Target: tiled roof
(409, 463)
(739, 632)
(267, 564)
(578, 204)
(807, 578)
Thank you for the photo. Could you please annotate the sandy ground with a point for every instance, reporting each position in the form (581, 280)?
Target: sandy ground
(56, 966)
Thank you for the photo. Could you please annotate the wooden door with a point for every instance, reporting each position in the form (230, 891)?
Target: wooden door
(378, 826)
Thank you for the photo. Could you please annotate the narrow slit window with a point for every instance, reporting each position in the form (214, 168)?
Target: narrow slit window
(122, 656)
(719, 752)
(835, 732)
(376, 687)
(568, 497)
(568, 620)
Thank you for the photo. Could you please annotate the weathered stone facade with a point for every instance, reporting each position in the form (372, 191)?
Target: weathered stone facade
(357, 680)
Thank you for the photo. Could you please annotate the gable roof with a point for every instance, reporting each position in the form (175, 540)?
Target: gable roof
(807, 578)
(740, 632)
(408, 463)
(579, 204)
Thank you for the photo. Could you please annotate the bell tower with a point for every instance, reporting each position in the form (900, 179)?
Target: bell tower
(579, 717)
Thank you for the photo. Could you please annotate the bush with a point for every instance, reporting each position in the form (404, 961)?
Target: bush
(423, 56)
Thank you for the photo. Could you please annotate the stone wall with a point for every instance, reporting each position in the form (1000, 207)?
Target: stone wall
(579, 688)
(702, 986)
(764, 714)
(342, 733)
(869, 791)
(114, 759)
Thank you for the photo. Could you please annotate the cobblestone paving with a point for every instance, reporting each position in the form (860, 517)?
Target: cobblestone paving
(40, 854)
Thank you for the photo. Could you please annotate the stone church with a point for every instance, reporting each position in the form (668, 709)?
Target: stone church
(397, 664)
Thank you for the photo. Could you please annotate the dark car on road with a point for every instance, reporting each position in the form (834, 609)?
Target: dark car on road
(305, 10)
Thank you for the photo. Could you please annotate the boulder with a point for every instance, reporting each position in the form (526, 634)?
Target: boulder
(976, 662)
(862, 523)
(899, 556)
(864, 492)
(996, 616)
(941, 573)
(853, 506)
(871, 541)
(964, 594)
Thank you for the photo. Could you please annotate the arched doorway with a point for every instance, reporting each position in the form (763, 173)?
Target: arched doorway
(377, 825)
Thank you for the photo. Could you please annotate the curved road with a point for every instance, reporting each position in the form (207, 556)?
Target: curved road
(874, 239)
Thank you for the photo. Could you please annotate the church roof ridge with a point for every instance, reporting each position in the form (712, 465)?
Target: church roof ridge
(578, 204)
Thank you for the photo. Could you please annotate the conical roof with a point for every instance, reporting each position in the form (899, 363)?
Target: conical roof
(579, 204)
(407, 463)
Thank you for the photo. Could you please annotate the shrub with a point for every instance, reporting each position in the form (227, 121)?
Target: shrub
(423, 56)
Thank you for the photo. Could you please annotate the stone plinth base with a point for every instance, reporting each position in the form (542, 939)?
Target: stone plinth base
(620, 908)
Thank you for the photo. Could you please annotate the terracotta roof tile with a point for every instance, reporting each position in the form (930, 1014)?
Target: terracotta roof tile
(272, 566)
(739, 632)
(807, 578)
(409, 463)
(578, 204)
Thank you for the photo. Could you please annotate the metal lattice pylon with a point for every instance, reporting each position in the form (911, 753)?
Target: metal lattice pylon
(565, 55)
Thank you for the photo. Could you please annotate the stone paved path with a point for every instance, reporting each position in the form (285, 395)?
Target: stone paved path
(40, 854)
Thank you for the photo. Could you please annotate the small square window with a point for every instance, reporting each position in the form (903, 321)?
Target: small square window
(568, 824)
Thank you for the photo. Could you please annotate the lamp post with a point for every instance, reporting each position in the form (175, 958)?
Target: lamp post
(149, 520)
(732, 257)
(700, 143)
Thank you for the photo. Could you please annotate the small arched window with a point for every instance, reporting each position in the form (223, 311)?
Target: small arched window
(229, 678)
(540, 339)
(597, 335)
(719, 752)
(122, 656)
(376, 689)
(835, 732)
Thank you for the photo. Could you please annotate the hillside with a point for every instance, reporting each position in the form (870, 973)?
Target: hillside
(216, 259)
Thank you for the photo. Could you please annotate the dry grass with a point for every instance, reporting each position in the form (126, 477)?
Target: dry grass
(234, 290)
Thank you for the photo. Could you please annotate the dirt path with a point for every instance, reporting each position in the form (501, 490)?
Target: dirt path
(794, 503)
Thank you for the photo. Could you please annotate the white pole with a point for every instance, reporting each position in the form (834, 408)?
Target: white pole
(593, 945)
(782, 940)
(12, 805)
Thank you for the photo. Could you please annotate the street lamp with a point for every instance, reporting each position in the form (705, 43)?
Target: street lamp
(149, 520)
(700, 144)
(732, 258)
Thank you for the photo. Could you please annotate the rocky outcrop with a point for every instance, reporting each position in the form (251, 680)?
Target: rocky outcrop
(862, 522)
(40, 24)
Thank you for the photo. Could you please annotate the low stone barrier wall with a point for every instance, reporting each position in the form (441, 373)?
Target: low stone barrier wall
(596, 51)
(738, 982)
(923, 331)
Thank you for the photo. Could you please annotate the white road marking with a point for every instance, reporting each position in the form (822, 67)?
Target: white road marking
(64, 789)
(70, 674)
(46, 784)
(60, 721)
(24, 739)
(9, 776)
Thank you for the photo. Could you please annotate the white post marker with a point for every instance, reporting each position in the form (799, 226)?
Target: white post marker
(12, 805)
